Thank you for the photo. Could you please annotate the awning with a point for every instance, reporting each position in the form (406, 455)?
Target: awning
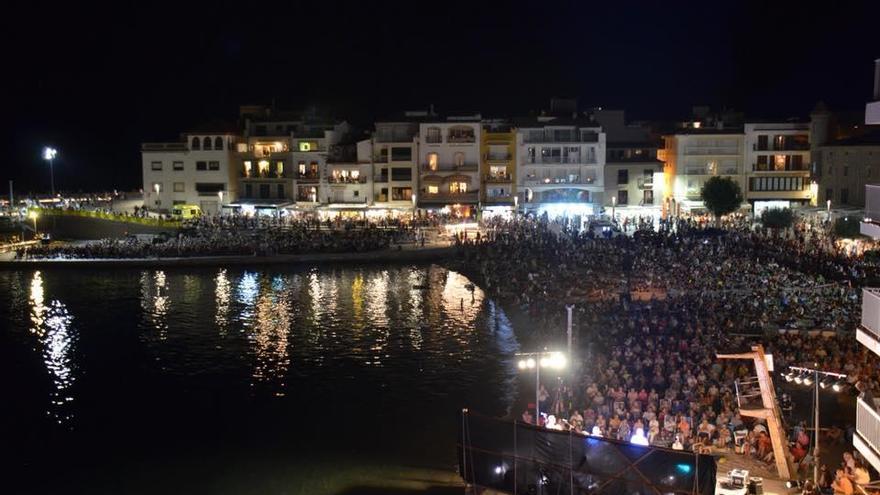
(258, 204)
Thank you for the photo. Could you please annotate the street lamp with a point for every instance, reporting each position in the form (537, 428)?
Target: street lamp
(33, 216)
(828, 209)
(156, 188)
(818, 379)
(536, 361)
(49, 154)
(220, 195)
(613, 204)
(414, 207)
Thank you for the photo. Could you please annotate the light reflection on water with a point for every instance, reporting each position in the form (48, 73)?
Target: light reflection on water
(52, 326)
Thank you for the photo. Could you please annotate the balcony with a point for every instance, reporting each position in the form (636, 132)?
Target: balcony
(308, 177)
(552, 181)
(711, 151)
(464, 167)
(868, 332)
(559, 137)
(497, 157)
(803, 167)
(498, 178)
(468, 197)
(164, 147)
(558, 160)
(261, 175)
(867, 437)
(794, 146)
(346, 180)
(461, 139)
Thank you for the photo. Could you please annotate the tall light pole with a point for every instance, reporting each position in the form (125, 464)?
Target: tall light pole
(49, 154)
(414, 208)
(613, 205)
(816, 378)
(536, 361)
(220, 208)
(156, 188)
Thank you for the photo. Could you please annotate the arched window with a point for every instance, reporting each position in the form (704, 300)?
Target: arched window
(458, 159)
(206, 143)
(218, 143)
(196, 144)
(431, 158)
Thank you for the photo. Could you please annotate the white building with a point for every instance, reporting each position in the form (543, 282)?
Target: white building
(393, 153)
(777, 165)
(199, 170)
(449, 165)
(634, 179)
(867, 437)
(560, 166)
(348, 183)
(872, 110)
(693, 155)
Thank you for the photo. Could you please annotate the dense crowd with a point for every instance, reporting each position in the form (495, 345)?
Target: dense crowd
(240, 237)
(655, 307)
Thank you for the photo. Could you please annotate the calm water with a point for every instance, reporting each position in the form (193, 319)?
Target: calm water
(233, 381)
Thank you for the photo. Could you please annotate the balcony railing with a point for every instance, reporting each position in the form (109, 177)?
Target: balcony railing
(557, 160)
(497, 157)
(261, 175)
(868, 424)
(307, 177)
(551, 181)
(346, 180)
(784, 147)
(498, 178)
(467, 197)
(462, 139)
(705, 150)
(871, 311)
(803, 167)
(164, 147)
(587, 137)
(465, 167)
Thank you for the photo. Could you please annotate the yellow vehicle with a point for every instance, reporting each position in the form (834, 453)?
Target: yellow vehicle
(185, 212)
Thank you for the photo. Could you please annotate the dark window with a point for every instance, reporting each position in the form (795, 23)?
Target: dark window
(201, 165)
(357, 193)
(264, 191)
(213, 165)
(218, 143)
(209, 188)
(622, 197)
(196, 144)
(648, 198)
(845, 172)
(762, 163)
(206, 144)
(623, 176)
(178, 165)
(280, 190)
(797, 162)
(399, 173)
(762, 142)
(178, 202)
(844, 196)
(260, 130)
(401, 154)
(829, 193)
(248, 190)
(156, 165)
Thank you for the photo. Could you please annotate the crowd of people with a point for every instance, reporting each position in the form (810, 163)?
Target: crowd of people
(239, 236)
(654, 308)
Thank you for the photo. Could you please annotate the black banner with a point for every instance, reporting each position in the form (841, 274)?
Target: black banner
(520, 458)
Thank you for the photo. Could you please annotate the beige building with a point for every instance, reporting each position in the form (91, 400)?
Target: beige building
(777, 165)
(847, 166)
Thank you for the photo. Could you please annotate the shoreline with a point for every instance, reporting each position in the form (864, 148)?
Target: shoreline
(412, 254)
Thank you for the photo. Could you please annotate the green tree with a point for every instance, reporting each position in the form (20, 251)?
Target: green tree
(847, 227)
(721, 195)
(777, 218)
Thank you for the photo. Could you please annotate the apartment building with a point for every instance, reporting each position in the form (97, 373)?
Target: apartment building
(695, 153)
(872, 109)
(449, 165)
(393, 152)
(498, 168)
(867, 436)
(196, 170)
(560, 165)
(777, 165)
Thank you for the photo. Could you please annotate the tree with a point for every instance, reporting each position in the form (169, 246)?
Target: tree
(847, 227)
(721, 195)
(777, 218)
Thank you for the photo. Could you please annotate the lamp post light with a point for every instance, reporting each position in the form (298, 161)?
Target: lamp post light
(33, 216)
(156, 188)
(220, 208)
(818, 379)
(536, 361)
(49, 154)
(828, 209)
(613, 205)
(414, 207)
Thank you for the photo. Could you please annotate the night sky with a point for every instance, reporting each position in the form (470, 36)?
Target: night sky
(96, 80)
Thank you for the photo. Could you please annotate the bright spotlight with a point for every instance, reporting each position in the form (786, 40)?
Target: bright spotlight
(530, 363)
(799, 379)
(499, 470)
(522, 364)
(545, 362)
(836, 387)
(49, 153)
(808, 380)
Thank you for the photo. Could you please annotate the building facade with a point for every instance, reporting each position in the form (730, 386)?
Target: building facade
(560, 166)
(633, 179)
(692, 156)
(449, 166)
(498, 167)
(198, 170)
(393, 152)
(847, 166)
(777, 165)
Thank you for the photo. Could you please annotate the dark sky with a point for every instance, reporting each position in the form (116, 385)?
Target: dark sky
(96, 80)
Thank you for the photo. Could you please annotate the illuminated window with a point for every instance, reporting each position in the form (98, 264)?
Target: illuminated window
(355, 174)
(301, 168)
(433, 189)
(279, 168)
(458, 187)
(779, 162)
(263, 167)
(308, 146)
(248, 168)
(432, 161)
